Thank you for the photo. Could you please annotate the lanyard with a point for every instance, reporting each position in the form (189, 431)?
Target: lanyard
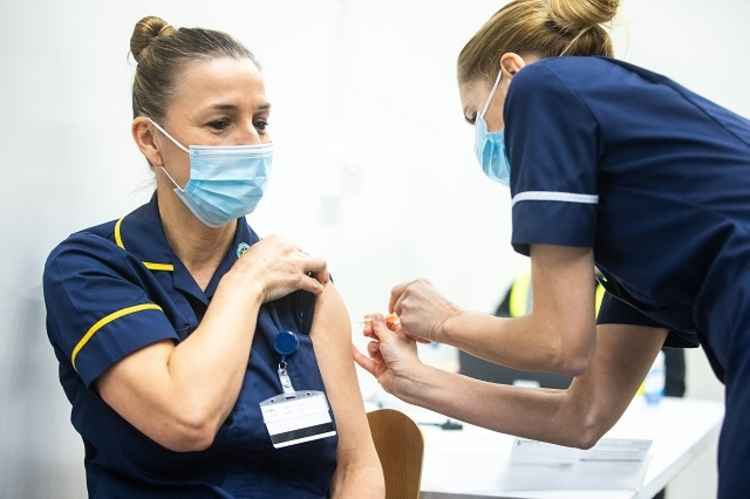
(294, 417)
(285, 343)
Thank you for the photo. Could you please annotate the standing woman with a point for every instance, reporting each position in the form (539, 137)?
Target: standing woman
(175, 323)
(609, 165)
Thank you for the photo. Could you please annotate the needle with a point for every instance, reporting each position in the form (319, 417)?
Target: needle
(391, 320)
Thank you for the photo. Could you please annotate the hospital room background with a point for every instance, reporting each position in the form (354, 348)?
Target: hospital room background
(374, 166)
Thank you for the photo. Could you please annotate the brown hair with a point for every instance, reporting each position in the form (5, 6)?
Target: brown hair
(160, 50)
(547, 28)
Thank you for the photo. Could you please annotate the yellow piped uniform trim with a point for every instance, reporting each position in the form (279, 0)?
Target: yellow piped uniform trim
(166, 267)
(106, 320)
(118, 234)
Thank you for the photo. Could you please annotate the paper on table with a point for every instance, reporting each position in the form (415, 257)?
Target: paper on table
(613, 463)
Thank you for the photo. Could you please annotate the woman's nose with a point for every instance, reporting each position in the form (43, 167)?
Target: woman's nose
(248, 135)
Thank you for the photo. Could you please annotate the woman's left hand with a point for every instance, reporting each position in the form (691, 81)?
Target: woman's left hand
(422, 309)
(392, 357)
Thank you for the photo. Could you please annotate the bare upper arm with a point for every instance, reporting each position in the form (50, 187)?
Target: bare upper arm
(623, 357)
(139, 389)
(563, 291)
(331, 336)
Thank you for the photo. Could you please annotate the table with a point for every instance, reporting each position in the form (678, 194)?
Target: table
(469, 463)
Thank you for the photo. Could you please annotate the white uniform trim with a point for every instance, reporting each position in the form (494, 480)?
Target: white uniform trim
(565, 197)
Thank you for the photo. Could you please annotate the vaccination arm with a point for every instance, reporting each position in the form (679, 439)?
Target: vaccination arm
(557, 336)
(358, 472)
(577, 416)
(179, 395)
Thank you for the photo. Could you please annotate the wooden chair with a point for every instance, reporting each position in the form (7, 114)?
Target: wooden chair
(400, 446)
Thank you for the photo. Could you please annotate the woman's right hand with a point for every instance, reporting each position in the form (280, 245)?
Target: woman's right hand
(279, 268)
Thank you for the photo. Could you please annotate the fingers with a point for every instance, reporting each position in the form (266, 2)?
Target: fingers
(397, 309)
(373, 348)
(323, 276)
(316, 266)
(380, 329)
(364, 362)
(394, 325)
(396, 294)
(367, 329)
(392, 321)
(310, 284)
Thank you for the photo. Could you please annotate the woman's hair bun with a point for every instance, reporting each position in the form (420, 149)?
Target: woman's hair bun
(146, 31)
(581, 14)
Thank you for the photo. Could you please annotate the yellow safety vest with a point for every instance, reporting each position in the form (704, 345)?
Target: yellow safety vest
(521, 299)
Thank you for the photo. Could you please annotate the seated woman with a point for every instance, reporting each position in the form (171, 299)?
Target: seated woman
(173, 324)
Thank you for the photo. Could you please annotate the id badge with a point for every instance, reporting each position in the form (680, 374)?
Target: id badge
(296, 417)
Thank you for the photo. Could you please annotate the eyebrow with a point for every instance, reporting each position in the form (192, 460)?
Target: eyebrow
(231, 107)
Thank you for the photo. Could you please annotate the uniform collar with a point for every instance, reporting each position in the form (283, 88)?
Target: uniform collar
(141, 234)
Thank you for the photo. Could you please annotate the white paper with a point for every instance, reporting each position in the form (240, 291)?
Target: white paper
(613, 463)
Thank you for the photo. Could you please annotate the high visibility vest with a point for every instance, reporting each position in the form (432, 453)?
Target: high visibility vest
(521, 298)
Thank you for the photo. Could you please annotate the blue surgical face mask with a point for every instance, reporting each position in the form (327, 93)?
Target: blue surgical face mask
(226, 182)
(490, 146)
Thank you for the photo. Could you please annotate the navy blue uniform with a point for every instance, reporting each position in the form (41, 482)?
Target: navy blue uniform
(118, 287)
(655, 179)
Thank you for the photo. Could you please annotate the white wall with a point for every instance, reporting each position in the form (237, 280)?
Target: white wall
(374, 165)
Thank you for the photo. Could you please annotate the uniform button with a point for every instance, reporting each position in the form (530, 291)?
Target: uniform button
(242, 248)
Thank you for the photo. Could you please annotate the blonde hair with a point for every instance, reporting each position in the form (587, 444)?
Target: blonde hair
(547, 28)
(160, 50)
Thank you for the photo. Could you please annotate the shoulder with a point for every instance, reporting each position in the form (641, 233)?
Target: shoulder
(331, 319)
(535, 88)
(560, 76)
(83, 250)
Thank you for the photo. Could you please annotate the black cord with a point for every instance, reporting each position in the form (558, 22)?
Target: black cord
(449, 425)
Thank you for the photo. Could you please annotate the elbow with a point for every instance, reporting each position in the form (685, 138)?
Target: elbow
(585, 423)
(190, 432)
(573, 360)
(573, 366)
(194, 439)
(588, 435)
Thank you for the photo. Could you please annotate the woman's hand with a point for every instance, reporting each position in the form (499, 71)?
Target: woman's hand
(279, 268)
(392, 357)
(422, 310)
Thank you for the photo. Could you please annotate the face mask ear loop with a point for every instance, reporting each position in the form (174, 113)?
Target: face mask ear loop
(574, 40)
(171, 179)
(169, 136)
(177, 186)
(492, 92)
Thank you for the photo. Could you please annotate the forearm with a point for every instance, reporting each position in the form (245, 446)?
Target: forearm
(557, 336)
(358, 480)
(537, 414)
(518, 343)
(577, 416)
(207, 369)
